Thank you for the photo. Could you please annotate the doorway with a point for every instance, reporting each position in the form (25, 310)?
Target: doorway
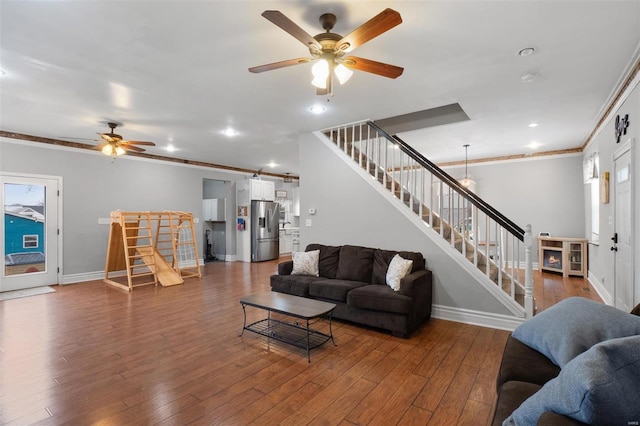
(30, 227)
(623, 245)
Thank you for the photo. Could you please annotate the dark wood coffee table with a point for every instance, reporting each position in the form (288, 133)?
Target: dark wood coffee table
(293, 333)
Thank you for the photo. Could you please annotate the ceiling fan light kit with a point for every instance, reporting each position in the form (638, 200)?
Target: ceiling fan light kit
(114, 145)
(112, 149)
(329, 48)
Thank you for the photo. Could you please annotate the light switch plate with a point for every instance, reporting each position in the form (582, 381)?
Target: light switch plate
(307, 222)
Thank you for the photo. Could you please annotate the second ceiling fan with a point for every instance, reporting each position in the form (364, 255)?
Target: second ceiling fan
(328, 49)
(114, 145)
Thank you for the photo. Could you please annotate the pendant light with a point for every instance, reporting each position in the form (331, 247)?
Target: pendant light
(467, 182)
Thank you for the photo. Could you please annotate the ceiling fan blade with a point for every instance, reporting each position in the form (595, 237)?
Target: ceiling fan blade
(106, 137)
(131, 148)
(278, 18)
(374, 67)
(276, 65)
(139, 143)
(375, 26)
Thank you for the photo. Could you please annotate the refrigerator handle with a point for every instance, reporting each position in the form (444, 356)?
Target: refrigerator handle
(269, 222)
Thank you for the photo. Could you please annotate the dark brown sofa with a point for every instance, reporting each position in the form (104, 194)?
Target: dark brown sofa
(523, 372)
(354, 278)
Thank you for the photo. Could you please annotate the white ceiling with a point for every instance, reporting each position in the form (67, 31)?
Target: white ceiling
(176, 72)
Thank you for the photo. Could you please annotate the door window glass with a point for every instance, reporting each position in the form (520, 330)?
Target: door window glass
(24, 225)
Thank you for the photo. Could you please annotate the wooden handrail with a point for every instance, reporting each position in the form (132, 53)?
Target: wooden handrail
(482, 205)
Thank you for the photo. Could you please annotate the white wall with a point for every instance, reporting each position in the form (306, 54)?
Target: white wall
(546, 192)
(601, 258)
(93, 186)
(350, 211)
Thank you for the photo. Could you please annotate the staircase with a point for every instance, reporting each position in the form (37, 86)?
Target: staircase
(499, 250)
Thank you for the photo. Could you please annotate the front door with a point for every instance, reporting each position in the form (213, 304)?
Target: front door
(623, 237)
(29, 228)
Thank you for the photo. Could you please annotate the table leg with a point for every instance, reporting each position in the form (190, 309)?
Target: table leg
(244, 324)
(330, 330)
(308, 350)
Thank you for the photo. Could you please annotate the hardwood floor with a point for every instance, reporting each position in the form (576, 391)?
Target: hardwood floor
(93, 354)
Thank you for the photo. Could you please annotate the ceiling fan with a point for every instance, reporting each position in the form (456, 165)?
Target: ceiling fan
(328, 49)
(114, 145)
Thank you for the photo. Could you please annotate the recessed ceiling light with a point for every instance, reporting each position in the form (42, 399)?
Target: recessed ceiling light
(528, 77)
(272, 165)
(229, 132)
(317, 109)
(533, 124)
(527, 51)
(534, 145)
(170, 148)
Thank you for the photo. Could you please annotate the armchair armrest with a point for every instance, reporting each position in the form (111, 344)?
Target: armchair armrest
(285, 268)
(552, 419)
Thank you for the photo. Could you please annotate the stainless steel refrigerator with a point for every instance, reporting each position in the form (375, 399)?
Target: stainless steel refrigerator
(265, 237)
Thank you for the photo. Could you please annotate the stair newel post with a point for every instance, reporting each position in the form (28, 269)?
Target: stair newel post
(528, 273)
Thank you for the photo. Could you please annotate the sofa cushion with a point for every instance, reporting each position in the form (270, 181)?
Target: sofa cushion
(355, 264)
(328, 261)
(574, 325)
(510, 397)
(333, 289)
(600, 386)
(525, 364)
(298, 285)
(382, 259)
(418, 260)
(398, 269)
(379, 298)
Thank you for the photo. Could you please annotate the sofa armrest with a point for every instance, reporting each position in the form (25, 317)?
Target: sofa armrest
(552, 419)
(409, 282)
(418, 286)
(285, 268)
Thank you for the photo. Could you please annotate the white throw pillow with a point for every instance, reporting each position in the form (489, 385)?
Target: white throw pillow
(398, 268)
(305, 262)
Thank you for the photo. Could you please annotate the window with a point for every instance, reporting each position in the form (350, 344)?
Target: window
(29, 241)
(595, 199)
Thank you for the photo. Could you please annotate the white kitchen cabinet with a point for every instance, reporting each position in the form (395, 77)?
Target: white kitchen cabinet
(264, 190)
(286, 241)
(282, 242)
(214, 209)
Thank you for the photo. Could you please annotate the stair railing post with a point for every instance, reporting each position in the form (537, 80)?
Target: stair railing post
(528, 273)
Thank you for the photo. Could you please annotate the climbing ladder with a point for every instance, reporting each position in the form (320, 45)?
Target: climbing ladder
(164, 257)
(175, 232)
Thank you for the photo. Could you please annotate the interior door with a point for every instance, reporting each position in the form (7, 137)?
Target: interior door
(622, 246)
(29, 228)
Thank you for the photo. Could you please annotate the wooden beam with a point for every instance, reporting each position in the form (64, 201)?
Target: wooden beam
(77, 145)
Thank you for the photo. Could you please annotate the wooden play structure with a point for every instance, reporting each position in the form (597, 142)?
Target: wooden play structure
(152, 247)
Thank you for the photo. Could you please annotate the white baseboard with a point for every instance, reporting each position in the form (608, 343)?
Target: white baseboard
(602, 292)
(87, 276)
(483, 319)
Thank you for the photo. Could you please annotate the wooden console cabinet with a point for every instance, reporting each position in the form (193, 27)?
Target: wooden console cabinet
(565, 255)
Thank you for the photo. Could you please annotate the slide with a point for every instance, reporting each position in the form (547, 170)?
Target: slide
(167, 276)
